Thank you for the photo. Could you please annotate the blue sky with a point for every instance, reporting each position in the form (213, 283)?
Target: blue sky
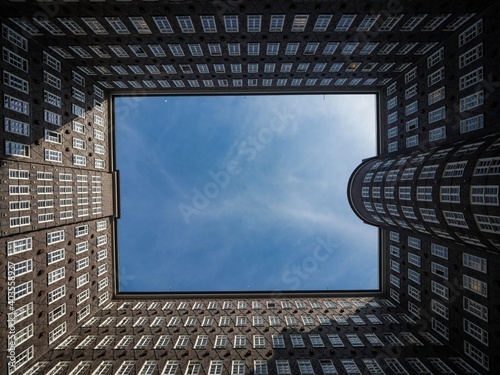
(237, 193)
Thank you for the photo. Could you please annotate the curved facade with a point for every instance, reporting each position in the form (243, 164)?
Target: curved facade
(448, 192)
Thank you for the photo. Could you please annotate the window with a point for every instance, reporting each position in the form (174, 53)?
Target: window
(435, 57)
(439, 251)
(208, 24)
(488, 166)
(185, 24)
(475, 285)
(51, 155)
(260, 367)
(472, 123)
(411, 75)
(435, 77)
(437, 134)
(17, 149)
(349, 48)
(471, 78)
(14, 37)
(437, 114)
(322, 22)
(23, 267)
(238, 367)
(395, 281)
(163, 24)
(354, 340)
(424, 193)
(102, 269)
(405, 192)
(82, 263)
(215, 367)
(259, 342)
(240, 341)
(470, 33)
(440, 270)
(220, 342)
(82, 280)
(436, 96)
(55, 237)
(23, 335)
(253, 49)
(55, 275)
(56, 294)
(231, 24)
(181, 342)
(15, 82)
(190, 321)
(19, 205)
(394, 251)
(311, 48)
(345, 22)
(17, 105)
(20, 174)
(412, 141)
(297, 341)
(305, 367)
(440, 328)
(456, 219)
(257, 321)
(23, 290)
(414, 276)
(335, 340)
(476, 331)
(450, 194)
(350, 366)
(254, 23)
(392, 103)
(316, 341)
(456, 169)
(439, 289)
(428, 214)
(176, 49)
(476, 309)
(476, 355)
(81, 230)
(19, 246)
(283, 367)
(22, 313)
(143, 342)
(439, 309)
(414, 259)
(126, 367)
(471, 55)
(475, 262)
(408, 174)
(471, 101)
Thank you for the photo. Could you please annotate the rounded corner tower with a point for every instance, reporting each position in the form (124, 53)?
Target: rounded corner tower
(450, 193)
(355, 190)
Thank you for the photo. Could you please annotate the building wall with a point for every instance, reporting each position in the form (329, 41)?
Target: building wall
(307, 331)
(441, 100)
(57, 278)
(430, 277)
(66, 196)
(58, 73)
